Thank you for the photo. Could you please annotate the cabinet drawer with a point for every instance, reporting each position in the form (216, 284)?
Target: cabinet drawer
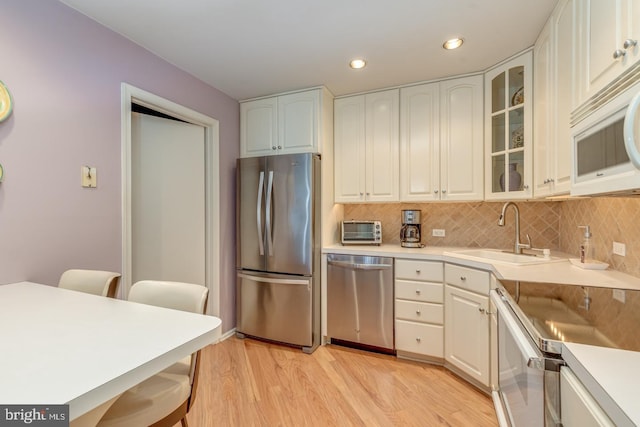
(419, 338)
(419, 311)
(430, 271)
(467, 278)
(419, 291)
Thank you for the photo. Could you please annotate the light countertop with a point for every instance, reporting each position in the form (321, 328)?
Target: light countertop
(555, 272)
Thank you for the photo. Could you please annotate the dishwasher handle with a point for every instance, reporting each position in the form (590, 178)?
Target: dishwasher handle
(357, 266)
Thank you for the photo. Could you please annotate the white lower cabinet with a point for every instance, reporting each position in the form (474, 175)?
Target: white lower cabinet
(419, 310)
(467, 321)
(579, 408)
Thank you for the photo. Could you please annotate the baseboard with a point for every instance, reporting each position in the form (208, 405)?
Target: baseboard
(227, 334)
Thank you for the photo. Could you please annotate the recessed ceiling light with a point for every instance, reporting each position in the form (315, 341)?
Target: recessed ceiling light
(453, 43)
(356, 64)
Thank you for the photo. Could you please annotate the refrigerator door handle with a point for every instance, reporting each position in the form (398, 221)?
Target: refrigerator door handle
(275, 281)
(268, 214)
(259, 213)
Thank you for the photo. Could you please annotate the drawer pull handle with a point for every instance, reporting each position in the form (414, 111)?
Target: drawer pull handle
(418, 339)
(417, 271)
(483, 311)
(417, 291)
(463, 278)
(418, 312)
(619, 53)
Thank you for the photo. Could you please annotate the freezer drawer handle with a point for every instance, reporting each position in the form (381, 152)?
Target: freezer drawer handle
(356, 266)
(275, 281)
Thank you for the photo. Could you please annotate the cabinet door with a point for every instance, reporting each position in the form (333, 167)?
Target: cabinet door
(605, 25)
(461, 136)
(563, 93)
(298, 119)
(543, 113)
(420, 143)
(382, 146)
(258, 127)
(508, 130)
(466, 332)
(579, 408)
(349, 149)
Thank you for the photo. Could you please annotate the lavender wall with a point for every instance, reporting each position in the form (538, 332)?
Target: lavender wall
(64, 72)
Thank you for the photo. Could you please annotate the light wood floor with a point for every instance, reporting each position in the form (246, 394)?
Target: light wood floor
(251, 383)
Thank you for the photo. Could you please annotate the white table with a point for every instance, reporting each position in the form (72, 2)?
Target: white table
(64, 347)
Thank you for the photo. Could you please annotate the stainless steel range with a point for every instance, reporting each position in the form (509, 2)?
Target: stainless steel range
(533, 321)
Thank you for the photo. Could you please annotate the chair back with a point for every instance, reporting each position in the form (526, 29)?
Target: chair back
(96, 282)
(179, 296)
(176, 295)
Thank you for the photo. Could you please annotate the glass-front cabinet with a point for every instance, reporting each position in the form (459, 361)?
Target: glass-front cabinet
(508, 137)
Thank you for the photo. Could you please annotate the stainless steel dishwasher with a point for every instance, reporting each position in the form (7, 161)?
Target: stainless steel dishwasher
(360, 301)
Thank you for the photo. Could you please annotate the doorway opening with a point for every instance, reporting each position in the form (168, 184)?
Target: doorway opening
(164, 108)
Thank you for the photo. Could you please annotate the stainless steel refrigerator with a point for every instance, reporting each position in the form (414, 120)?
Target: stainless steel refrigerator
(278, 244)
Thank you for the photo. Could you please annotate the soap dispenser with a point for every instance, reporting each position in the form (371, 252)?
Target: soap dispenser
(587, 253)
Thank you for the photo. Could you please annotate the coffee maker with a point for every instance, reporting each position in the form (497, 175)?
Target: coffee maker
(410, 231)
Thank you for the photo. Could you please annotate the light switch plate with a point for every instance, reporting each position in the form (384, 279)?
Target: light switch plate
(619, 249)
(89, 177)
(437, 232)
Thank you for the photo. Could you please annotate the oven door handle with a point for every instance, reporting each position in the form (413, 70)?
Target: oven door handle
(528, 350)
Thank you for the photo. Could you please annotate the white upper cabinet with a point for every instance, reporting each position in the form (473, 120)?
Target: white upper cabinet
(508, 130)
(553, 79)
(461, 139)
(609, 32)
(441, 134)
(258, 127)
(420, 143)
(367, 147)
(349, 150)
(284, 124)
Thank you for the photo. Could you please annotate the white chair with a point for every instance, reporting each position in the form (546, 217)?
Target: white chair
(165, 398)
(95, 282)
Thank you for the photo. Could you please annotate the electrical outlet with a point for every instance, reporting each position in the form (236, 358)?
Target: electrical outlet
(619, 294)
(619, 249)
(437, 232)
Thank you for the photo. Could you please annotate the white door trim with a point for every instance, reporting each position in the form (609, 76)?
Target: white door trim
(212, 186)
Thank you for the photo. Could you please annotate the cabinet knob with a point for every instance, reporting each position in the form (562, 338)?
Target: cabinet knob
(481, 310)
(546, 181)
(463, 278)
(279, 147)
(273, 147)
(629, 43)
(444, 191)
(418, 339)
(418, 312)
(619, 53)
(418, 292)
(526, 187)
(435, 191)
(368, 194)
(417, 271)
(361, 194)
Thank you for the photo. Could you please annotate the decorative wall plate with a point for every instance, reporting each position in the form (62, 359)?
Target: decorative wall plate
(6, 103)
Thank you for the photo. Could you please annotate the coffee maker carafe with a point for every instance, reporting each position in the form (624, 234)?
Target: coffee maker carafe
(410, 231)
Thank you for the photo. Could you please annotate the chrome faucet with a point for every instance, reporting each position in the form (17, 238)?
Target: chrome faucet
(518, 247)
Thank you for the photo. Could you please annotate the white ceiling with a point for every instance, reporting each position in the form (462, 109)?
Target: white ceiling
(250, 48)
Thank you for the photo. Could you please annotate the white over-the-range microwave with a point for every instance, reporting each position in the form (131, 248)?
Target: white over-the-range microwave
(606, 146)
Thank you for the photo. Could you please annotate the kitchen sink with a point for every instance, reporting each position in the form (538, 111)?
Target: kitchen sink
(502, 257)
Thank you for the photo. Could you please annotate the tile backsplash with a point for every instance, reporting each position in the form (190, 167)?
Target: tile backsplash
(551, 225)
(472, 224)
